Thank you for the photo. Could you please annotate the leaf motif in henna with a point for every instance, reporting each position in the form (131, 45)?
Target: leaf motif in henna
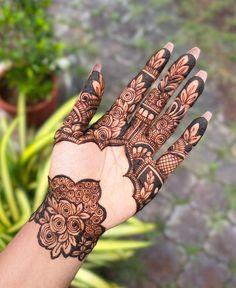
(99, 86)
(155, 59)
(147, 189)
(188, 95)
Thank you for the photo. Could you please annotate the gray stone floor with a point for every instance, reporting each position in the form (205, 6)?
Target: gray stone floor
(195, 212)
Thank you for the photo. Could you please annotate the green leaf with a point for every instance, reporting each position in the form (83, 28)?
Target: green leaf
(91, 280)
(42, 185)
(109, 245)
(5, 237)
(55, 120)
(5, 173)
(3, 216)
(21, 116)
(129, 228)
(2, 244)
(35, 147)
(96, 259)
(25, 208)
(45, 135)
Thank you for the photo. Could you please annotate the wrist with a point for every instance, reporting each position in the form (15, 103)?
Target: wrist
(70, 217)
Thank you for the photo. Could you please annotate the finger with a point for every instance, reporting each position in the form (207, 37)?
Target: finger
(160, 132)
(176, 153)
(131, 96)
(146, 180)
(150, 175)
(85, 107)
(158, 97)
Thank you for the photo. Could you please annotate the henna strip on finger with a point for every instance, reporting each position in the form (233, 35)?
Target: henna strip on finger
(159, 96)
(116, 119)
(168, 162)
(161, 131)
(149, 175)
(84, 109)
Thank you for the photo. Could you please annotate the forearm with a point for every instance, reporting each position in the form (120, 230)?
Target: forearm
(24, 263)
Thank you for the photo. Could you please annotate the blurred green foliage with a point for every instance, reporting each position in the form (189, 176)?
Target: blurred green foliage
(29, 44)
(212, 24)
(209, 24)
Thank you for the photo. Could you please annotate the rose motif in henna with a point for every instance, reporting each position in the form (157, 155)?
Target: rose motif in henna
(70, 217)
(140, 141)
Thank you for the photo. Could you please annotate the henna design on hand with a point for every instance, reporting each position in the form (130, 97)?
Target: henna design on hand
(150, 175)
(70, 217)
(167, 163)
(132, 123)
(86, 105)
(144, 135)
(106, 131)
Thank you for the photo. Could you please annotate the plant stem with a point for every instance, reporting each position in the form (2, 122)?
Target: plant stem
(22, 120)
(5, 174)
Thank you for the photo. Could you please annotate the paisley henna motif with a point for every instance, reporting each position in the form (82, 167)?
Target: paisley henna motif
(70, 217)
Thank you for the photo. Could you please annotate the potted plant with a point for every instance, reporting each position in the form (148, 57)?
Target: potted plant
(29, 45)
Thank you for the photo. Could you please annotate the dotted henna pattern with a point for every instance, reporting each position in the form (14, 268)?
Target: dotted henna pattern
(70, 217)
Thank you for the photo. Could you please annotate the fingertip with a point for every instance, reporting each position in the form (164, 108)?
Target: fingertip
(97, 67)
(207, 116)
(169, 46)
(195, 51)
(202, 74)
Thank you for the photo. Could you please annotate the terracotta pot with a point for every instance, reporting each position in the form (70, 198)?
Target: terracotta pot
(36, 114)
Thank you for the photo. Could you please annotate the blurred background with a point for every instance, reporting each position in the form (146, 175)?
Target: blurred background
(186, 236)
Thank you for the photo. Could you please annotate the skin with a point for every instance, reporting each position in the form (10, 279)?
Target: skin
(24, 263)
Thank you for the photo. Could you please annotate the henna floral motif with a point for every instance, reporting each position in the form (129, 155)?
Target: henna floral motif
(86, 105)
(110, 127)
(143, 137)
(70, 217)
(159, 96)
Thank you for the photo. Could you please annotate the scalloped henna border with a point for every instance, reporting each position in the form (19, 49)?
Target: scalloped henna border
(68, 242)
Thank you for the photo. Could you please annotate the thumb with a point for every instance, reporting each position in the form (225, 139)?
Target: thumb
(84, 109)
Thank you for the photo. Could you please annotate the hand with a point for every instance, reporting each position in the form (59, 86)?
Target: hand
(103, 174)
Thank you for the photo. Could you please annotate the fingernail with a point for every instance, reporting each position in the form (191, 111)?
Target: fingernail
(97, 67)
(207, 115)
(169, 46)
(195, 51)
(202, 74)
